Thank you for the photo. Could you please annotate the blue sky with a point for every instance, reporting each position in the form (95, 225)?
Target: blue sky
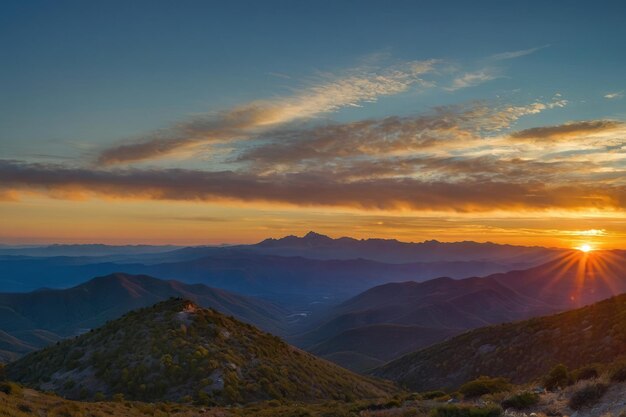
(99, 71)
(377, 108)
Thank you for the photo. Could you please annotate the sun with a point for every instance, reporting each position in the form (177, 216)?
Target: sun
(585, 248)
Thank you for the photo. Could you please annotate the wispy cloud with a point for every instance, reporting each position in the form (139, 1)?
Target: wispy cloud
(614, 95)
(356, 87)
(568, 130)
(441, 128)
(472, 79)
(516, 54)
(457, 158)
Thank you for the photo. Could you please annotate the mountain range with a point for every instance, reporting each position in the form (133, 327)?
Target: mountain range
(312, 267)
(398, 318)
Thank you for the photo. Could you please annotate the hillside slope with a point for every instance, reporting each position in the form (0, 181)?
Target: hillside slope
(414, 315)
(177, 351)
(572, 281)
(520, 351)
(38, 318)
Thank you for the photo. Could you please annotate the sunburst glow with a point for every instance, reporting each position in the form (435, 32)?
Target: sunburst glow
(585, 248)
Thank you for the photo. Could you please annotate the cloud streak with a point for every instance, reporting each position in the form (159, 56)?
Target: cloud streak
(472, 79)
(568, 130)
(516, 54)
(357, 87)
(442, 128)
(309, 189)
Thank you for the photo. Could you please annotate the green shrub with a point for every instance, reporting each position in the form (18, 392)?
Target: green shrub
(430, 395)
(466, 411)
(558, 377)
(484, 385)
(585, 373)
(521, 401)
(587, 396)
(10, 388)
(618, 372)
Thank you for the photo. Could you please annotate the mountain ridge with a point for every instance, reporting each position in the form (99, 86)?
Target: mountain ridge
(521, 351)
(67, 312)
(176, 351)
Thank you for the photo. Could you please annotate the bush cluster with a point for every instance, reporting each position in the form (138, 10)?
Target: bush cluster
(618, 372)
(557, 378)
(466, 411)
(484, 385)
(588, 395)
(521, 401)
(585, 373)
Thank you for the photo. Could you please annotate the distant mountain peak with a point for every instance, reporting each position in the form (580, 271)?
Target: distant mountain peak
(316, 236)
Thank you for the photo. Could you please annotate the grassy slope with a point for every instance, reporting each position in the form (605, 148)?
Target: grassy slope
(177, 351)
(520, 351)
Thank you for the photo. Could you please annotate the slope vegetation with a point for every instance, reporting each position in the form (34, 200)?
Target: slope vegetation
(180, 352)
(32, 320)
(520, 351)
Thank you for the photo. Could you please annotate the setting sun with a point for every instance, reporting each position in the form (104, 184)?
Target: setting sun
(585, 248)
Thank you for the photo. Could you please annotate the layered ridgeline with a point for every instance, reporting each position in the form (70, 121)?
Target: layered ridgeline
(388, 321)
(323, 266)
(521, 351)
(29, 321)
(178, 351)
(393, 319)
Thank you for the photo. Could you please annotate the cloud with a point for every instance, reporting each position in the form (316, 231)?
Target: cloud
(615, 95)
(442, 127)
(516, 54)
(567, 130)
(356, 87)
(309, 189)
(472, 79)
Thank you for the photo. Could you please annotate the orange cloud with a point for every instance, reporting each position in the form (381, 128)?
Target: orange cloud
(311, 189)
(568, 130)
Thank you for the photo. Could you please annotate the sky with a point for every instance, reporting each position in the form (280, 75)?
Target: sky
(203, 122)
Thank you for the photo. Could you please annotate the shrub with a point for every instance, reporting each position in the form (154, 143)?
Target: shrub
(584, 373)
(587, 395)
(10, 388)
(558, 377)
(521, 401)
(430, 395)
(618, 372)
(466, 411)
(484, 385)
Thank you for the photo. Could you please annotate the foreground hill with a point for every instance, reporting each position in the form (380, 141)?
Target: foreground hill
(32, 320)
(178, 351)
(520, 351)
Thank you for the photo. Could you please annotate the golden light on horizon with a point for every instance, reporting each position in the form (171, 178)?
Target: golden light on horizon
(585, 248)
